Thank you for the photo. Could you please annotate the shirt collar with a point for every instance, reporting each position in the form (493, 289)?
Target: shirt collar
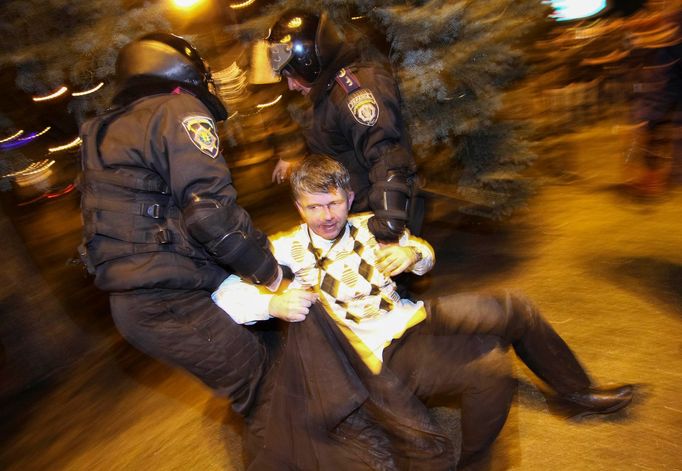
(325, 244)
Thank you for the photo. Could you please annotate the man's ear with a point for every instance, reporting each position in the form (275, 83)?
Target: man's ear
(351, 197)
(299, 208)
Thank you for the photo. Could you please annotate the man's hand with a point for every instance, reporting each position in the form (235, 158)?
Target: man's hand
(292, 305)
(281, 171)
(393, 259)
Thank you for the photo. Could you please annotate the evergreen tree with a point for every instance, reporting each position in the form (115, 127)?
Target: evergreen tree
(454, 60)
(66, 42)
(55, 43)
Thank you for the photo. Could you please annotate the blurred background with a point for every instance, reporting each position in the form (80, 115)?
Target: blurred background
(544, 131)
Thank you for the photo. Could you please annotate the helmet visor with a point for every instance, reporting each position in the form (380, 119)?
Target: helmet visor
(280, 54)
(261, 71)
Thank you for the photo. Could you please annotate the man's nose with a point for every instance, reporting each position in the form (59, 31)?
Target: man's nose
(327, 213)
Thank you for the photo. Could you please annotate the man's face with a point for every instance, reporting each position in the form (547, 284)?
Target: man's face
(325, 213)
(297, 86)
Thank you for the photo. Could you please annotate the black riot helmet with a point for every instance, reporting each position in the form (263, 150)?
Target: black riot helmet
(166, 58)
(302, 44)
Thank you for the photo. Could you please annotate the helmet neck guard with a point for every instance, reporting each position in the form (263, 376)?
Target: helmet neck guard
(160, 62)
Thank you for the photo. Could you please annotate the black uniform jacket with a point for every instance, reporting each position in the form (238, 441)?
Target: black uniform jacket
(368, 151)
(142, 165)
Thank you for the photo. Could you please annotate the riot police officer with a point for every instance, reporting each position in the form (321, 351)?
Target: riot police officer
(356, 117)
(162, 228)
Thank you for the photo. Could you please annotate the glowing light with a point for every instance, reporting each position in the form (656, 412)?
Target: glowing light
(285, 39)
(356, 17)
(566, 10)
(43, 131)
(186, 3)
(75, 143)
(17, 143)
(44, 166)
(87, 92)
(13, 144)
(22, 141)
(233, 115)
(265, 105)
(34, 168)
(64, 191)
(245, 4)
(35, 175)
(13, 136)
(295, 22)
(59, 92)
(33, 135)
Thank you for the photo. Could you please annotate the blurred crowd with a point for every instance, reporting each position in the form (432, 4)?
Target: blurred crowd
(620, 70)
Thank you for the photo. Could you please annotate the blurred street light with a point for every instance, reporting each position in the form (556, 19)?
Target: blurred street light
(566, 10)
(13, 136)
(89, 91)
(237, 6)
(76, 142)
(62, 90)
(186, 4)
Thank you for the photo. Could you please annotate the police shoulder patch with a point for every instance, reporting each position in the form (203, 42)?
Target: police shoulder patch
(203, 134)
(364, 107)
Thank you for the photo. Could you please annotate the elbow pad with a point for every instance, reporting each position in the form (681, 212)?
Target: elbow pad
(246, 257)
(226, 234)
(389, 201)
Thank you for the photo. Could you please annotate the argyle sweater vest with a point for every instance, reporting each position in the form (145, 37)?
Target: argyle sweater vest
(359, 298)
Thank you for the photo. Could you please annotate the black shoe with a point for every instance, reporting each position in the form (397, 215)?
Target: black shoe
(597, 400)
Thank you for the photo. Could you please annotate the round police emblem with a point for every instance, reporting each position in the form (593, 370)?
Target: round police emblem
(364, 107)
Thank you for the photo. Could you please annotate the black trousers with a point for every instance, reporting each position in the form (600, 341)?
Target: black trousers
(460, 350)
(186, 329)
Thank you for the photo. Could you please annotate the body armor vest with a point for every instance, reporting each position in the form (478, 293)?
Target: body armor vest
(127, 210)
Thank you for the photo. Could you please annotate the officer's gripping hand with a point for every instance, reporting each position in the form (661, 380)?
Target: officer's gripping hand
(281, 171)
(392, 259)
(292, 305)
(275, 284)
